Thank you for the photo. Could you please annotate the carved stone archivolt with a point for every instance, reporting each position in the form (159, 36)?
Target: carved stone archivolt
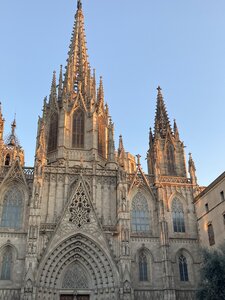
(78, 251)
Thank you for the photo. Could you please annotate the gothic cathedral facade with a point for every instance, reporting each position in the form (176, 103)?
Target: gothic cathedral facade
(86, 222)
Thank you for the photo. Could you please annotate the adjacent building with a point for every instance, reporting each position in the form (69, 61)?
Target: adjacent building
(210, 210)
(86, 222)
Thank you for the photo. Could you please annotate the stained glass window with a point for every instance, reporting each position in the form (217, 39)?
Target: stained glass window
(143, 267)
(78, 129)
(178, 216)
(140, 214)
(53, 133)
(183, 268)
(12, 209)
(6, 264)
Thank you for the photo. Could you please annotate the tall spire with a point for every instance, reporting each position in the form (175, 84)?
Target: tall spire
(77, 63)
(162, 123)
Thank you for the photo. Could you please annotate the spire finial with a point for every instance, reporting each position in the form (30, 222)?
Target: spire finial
(13, 126)
(138, 159)
(159, 88)
(79, 4)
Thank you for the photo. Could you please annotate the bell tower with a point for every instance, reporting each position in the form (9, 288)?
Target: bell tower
(166, 151)
(76, 119)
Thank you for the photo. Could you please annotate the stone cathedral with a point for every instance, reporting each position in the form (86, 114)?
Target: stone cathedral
(86, 222)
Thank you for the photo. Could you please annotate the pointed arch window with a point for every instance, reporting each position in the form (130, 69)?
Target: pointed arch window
(140, 222)
(183, 268)
(12, 209)
(101, 137)
(171, 159)
(178, 216)
(211, 234)
(6, 264)
(78, 129)
(143, 267)
(7, 160)
(53, 133)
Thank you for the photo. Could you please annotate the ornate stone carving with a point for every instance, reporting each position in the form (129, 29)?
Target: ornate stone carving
(80, 207)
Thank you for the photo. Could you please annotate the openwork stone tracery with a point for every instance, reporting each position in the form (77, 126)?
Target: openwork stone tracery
(75, 278)
(80, 207)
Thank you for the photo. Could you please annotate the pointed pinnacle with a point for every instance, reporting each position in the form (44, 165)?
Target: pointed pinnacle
(100, 90)
(79, 4)
(151, 139)
(175, 129)
(1, 110)
(53, 92)
(60, 87)
(121, 142)
(13, 125)
(121, 147)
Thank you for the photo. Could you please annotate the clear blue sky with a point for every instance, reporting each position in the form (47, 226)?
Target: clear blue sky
(135, 45)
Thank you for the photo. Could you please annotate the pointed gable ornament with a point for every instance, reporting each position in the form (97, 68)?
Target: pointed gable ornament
(80, 207)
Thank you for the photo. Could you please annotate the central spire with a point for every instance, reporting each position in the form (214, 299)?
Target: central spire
(77, 62)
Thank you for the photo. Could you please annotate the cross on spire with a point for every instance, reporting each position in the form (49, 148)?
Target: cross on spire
(79, 4)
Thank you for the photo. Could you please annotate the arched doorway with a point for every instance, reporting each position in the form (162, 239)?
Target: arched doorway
(98, 277)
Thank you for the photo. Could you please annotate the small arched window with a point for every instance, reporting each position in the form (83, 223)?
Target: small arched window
(12, 209)
(171, 159)
(6, 264)
(183, 268)
(53, 133)
(143, 266)
(101, 137)
(140, 215)
(78, 129)
(178, 216)
(7, 160)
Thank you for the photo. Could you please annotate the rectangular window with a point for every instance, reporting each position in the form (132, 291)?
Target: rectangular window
(211, 234)
(206, 207)
(222, 196)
